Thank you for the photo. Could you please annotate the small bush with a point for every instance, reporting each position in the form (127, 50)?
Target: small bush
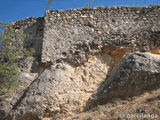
(10, 54)
(49, 3)
(90, 4)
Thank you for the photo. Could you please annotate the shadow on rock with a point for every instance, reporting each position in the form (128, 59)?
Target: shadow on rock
(138, 72)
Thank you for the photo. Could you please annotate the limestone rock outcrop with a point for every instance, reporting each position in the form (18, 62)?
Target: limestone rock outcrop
(136, 74)
(87, 57)
(61, 89)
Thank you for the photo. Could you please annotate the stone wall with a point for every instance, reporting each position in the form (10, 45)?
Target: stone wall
(74, 34)
(80, 51)
(33, 28)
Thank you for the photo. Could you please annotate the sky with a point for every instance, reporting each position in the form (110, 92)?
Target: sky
(11, 10)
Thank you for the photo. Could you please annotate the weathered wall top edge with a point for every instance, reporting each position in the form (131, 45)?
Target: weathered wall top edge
(25, 23)
(107, 7)
(98, 7)
(26, 20)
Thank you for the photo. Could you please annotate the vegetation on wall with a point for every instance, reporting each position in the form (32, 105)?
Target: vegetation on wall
(90, 4)
(11, 52)
(49, 3)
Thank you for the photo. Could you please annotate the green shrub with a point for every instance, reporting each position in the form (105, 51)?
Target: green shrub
(10, 54)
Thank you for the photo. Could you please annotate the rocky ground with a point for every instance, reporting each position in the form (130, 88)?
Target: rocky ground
(145, 104)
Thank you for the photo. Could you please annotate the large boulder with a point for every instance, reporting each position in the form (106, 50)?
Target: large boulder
(138, 72)
(61, 90)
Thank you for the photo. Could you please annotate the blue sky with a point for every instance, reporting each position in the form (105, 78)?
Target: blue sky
(11, 10)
